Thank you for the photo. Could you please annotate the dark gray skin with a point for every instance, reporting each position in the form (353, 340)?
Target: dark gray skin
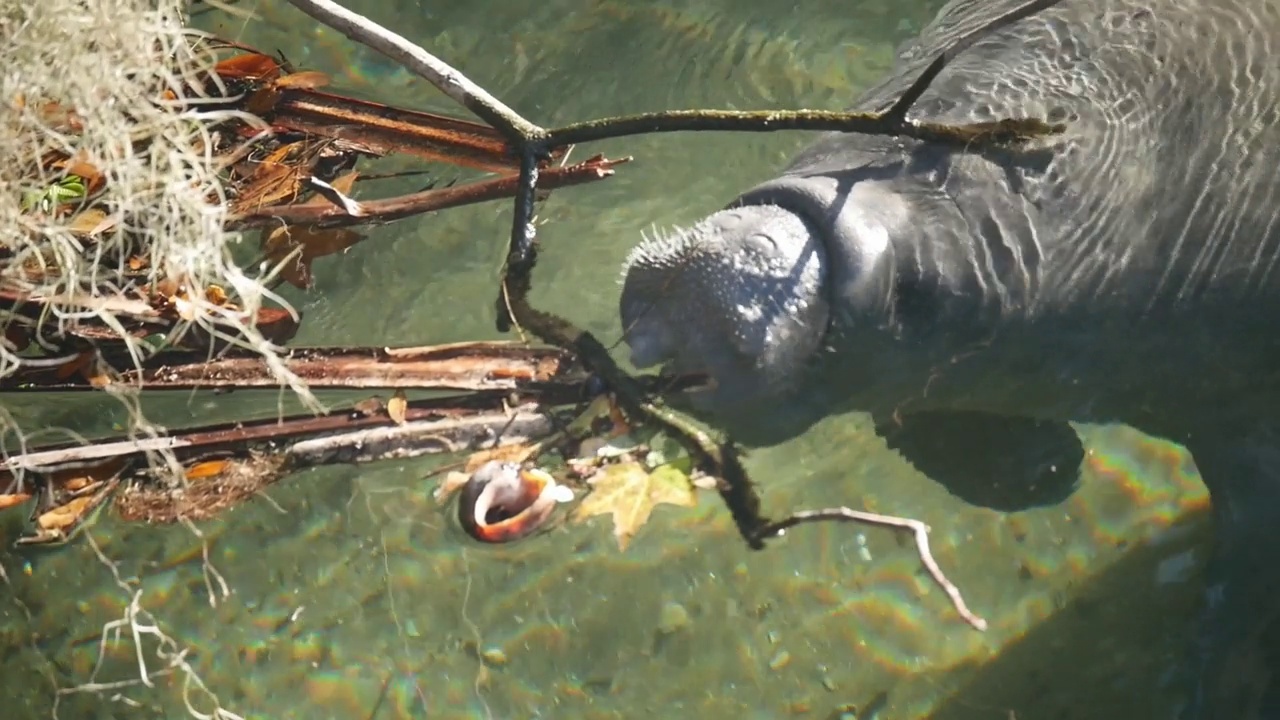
(1124, 271)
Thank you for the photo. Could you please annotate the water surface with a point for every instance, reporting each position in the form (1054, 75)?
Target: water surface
(351, 584)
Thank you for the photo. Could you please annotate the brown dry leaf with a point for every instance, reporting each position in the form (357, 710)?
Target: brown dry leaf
(629, 492)
(276, 325)
(344, 183)
(263, 100)
(370, 406)
(166, 288)
(74, 365)
(137, 262)
(314, 243)
(9, 500)
(92, 222)
(305, 80)
(249, 66)
(92, 176)
(273, 180)
(95, 371)
(61, 118)
(398, 407)
(216, 295)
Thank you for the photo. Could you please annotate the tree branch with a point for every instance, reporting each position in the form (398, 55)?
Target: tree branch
(416, 59)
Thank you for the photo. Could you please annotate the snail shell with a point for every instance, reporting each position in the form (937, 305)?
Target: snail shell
(502, 502)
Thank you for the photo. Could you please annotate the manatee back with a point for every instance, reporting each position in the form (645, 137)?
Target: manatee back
(1164, 189)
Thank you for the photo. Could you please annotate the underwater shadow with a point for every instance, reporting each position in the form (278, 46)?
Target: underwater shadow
(1110, 652)
(997, 462)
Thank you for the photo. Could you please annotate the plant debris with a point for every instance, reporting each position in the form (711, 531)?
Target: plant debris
(629, 492)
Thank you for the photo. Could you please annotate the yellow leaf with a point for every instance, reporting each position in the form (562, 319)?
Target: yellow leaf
(629, 492)
(216, 295)
(64, 516)
(207, 469)
(397, 407)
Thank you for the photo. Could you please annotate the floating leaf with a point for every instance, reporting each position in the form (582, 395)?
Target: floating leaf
(64, 522)
(344, 183)
(207, 469)
(64, 516)
(398, 407)
(276, 325)
(282, 241)
(629, 493)
(306, 80)
(9, 500)
(250, 66)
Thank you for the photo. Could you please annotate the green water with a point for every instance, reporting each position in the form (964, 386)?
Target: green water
(351, 583)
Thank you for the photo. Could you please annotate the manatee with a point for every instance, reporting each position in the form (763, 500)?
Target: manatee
(1123, 271)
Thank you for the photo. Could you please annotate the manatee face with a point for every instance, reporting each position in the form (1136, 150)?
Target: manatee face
(740, 296)
(747, 295)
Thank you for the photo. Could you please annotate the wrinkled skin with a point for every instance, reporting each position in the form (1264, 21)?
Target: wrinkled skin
(1124, 271)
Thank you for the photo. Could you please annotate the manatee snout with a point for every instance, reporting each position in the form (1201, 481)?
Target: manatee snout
(740, 296)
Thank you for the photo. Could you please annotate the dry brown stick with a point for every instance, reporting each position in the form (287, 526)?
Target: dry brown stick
(328, 215)
(920, 530)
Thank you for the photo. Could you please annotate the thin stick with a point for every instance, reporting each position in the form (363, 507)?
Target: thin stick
(1009, 131)
(920, 530)
(416, 59)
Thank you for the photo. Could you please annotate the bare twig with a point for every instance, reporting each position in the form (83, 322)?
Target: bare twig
(385, 210)
(919, 529)
(416, 59)
(1010, 131)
